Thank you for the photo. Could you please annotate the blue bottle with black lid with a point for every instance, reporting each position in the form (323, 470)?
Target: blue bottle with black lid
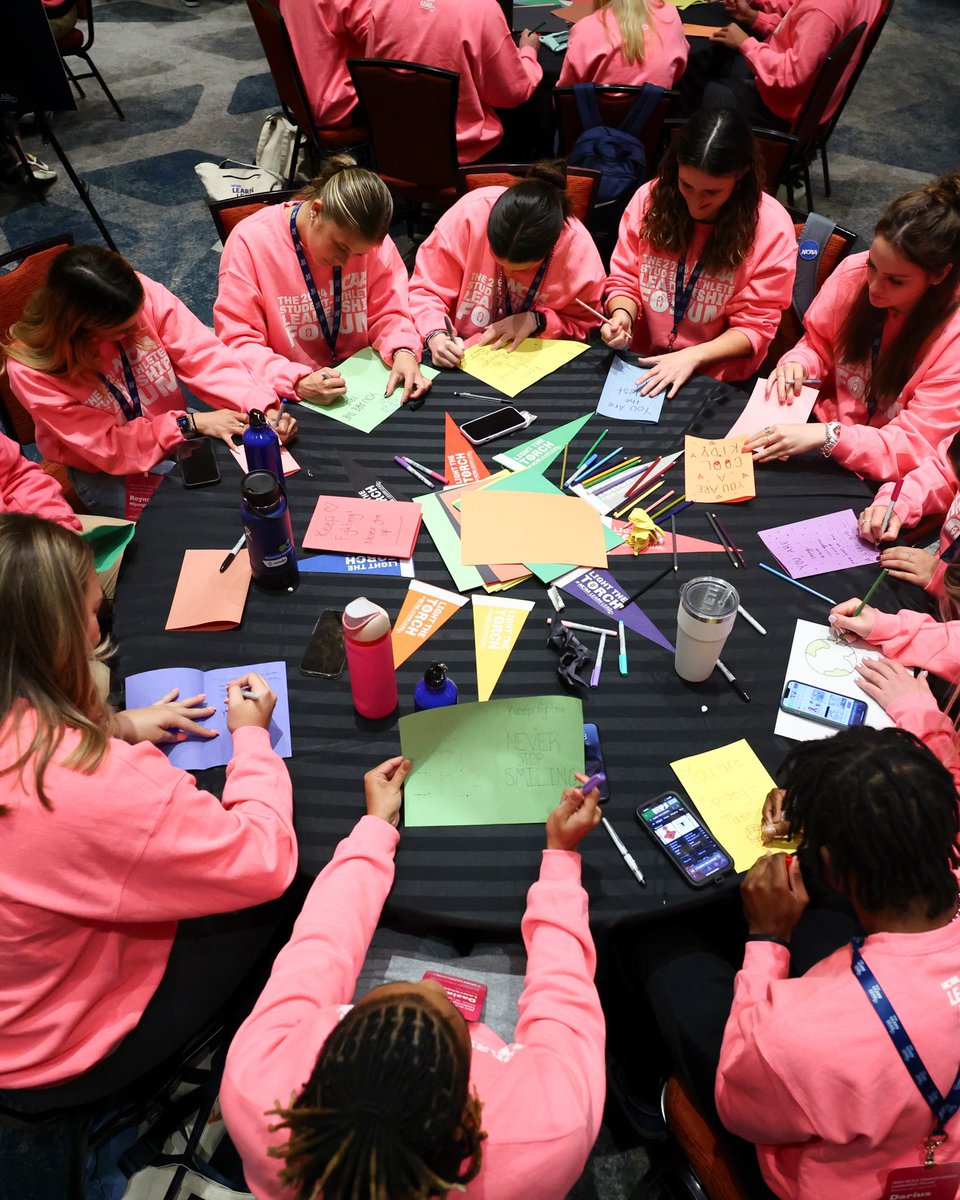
(261, 445)
(267, 529)
(436, 689)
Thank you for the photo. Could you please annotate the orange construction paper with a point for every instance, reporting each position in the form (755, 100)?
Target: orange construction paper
(463, 464)
(425, 609)
(352, 525)
(530, 527)
(505, 572)
(204, 598)
(699, 30)
(575, 12)
(717, 470)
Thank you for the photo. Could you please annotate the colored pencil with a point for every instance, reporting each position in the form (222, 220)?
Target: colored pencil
(673, 534)
(873, 587)
(563, 464)
(650, 474)
(592, 310)
(646, 587)
(729, 540)
(670, 508)
(609, 472)
(592, 448)
(796, 583)
(660, 501)
(613, 453)
(618, 481)
(675, 512)
(723, 541)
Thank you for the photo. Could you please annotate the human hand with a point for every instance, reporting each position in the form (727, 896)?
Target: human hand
(774, 896)
(406, 372)
(842, 618)
(886, 681)
(253, 706)
(528, 38)
(870, 522)
(573, 818)
(741, 10)
(446, 351)
(774, 826)
(166, 720)
(222, 423)
(783, 441)
(283, 422)
(731, 36)
(788, 379)
(383, 787)
(670, 371)
(509, 331)
(909, 563)
(322, 387)
(617, 331)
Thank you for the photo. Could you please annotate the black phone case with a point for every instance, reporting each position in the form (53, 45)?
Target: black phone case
(710, 879)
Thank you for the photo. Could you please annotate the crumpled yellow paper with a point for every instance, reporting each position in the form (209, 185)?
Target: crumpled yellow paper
(644, 532)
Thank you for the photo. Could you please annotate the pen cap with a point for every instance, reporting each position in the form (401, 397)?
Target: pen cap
(364, 621)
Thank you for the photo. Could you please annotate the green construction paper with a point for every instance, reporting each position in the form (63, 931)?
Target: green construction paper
(108, 543)
(447, 542)
(364, 407)
(504, 762)
(540, 451)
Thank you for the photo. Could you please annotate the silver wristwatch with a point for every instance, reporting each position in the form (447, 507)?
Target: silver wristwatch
(830, 438)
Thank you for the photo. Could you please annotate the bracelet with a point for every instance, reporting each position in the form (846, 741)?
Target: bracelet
(404, 350)
(830, 438)
(768, 937)
(433, 333)
(541, 321)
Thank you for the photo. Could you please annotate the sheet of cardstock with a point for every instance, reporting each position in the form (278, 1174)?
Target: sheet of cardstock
(356, 564)
(530, 527)
(463, 464)
(496, 627)
(108, 537)
(621, 400)
(493, 574)
(717, 471)
(510, 371)
(365, 406)
(574, 12)
(446, 537)
(761, 410)
(205, 597)
(357, 526)
(504, 762)
(601, 591)
(818, 659)
(704, 31)
(819, 544)
(287, 461)
(425, 609)
(541, 451)
(729, 785)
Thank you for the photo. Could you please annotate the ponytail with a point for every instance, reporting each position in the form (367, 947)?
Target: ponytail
(352, 197)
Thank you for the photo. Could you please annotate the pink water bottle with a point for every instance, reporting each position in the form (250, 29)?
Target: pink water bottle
(367, 641)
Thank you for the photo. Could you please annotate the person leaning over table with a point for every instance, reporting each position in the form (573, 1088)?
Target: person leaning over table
(505, 264)
(107, 849)
(96, 359)
(398, 1098)
(883, 335)
(305, 285)
(626, 41)
(26, 488)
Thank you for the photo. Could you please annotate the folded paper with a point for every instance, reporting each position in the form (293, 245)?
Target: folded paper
(205, 597)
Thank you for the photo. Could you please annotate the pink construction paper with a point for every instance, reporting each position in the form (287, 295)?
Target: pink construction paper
(762, 410)
(819, 545)
(377, 528)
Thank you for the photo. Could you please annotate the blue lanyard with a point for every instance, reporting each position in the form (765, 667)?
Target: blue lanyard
(531, 290)
(330, 337)
(130, 404)
(682, 295)
(942, 1109)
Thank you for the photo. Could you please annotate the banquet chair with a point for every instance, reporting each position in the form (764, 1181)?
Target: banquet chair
(278, 51)
(614, 103)
(77, 44)
(581, 189)
(776, 151)
(228, 213)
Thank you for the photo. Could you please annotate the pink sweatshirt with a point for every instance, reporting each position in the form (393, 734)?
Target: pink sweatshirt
(931, 487)
(90, 893)
(265, 315)
(26, 488)
(771, 13)
(324, 34)
(919, 640)
(920, 714)
(902, 435)
(787, 63)
(455, 275)
(472, 39)
(749, 299)
(81, 425)
(808, 1072)
(542, 1095)
(595, 50)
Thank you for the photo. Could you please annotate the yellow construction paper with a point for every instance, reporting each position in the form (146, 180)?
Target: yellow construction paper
(496, 627)
(510, 371)
(729, 785)
(529, 527)
(717, 470)
(644, 531)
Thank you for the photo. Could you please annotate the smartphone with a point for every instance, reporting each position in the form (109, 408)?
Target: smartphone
(324, 656)
(817, 704)
(495, 424)
(198, 462)
(593, 758)
(684, 839)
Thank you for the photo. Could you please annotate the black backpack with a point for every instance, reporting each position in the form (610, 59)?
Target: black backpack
(617, 153)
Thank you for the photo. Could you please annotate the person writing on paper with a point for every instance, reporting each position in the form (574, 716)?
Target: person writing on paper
(26, 488)
(627, 41)
(705, 260)
(305, 285)
(96, 359)
(398, 1096)
(505, 264)
(884, 337)
(108, 849)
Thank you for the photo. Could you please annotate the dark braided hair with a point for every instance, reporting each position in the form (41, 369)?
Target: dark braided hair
(387, 1113)
(885, 809)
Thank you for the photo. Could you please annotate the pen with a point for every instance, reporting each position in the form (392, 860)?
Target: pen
(592, 310)
(723, 541)
(732, 544)
(889, 513)
(624, 852)
(477, 396)
(797, 583)
(751, 620)
(248, 694)
(623, 648)
(595, 677)
(426, 470)
(570, 479)
(235, 550)
(646, 587)
(873, 587)
(585, 628)
(400, 461)
(594, 781)
(732, 680)
(449, 325)
(673, 534)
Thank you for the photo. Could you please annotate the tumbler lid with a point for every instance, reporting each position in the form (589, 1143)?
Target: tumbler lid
(709, 599)
(261, 489)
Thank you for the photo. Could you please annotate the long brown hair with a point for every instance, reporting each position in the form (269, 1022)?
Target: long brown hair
(352, 197)
(44, 652)
(718, 142)
(923, 226)
(88, 290)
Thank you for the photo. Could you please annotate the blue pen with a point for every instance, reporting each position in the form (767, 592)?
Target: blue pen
(623, 648)
(579, 470)
(797, 583)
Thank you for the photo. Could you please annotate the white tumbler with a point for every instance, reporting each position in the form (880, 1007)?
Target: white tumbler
(708, 609)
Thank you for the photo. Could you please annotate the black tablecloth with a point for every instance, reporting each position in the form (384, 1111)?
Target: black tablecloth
(478, 877)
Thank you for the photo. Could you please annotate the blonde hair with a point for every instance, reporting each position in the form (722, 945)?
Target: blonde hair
(633, 17)
(352, 197)
(44, 652)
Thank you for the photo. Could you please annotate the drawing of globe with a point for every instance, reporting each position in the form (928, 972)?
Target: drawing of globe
(830, 658)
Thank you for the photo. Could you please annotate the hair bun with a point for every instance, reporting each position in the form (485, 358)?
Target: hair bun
(946, 189)
(552, 172)
(333, 166)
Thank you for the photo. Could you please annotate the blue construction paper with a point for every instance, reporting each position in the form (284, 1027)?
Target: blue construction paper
(620, 399)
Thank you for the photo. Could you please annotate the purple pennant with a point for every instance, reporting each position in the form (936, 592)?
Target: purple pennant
(601, 591)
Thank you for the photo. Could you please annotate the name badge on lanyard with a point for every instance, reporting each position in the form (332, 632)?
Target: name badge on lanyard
(330, 332)
(682, 295)
(140, 486)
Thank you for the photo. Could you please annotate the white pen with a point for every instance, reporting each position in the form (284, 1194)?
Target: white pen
(625, 853)
(751, 620)
(589, 628)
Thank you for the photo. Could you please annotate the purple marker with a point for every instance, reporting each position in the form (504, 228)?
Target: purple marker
(595, 781)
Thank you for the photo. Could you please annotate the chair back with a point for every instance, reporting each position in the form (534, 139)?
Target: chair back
(581, 189)
(701, 1146)
(776, 150)
(873, 36)
(397, 97)
(614, 103)
(228, 213)
(808, 125)
(278, 51)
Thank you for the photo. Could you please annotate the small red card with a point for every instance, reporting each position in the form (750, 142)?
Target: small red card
(939, 1182)
(463, 994)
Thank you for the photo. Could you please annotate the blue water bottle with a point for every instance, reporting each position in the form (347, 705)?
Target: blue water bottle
(435, 690)
(261, 445)
(266, 526)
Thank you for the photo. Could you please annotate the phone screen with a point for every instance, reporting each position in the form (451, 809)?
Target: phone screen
(324, 655)
(198, 462)
(493, 424)
(681, 835)
(805, 700)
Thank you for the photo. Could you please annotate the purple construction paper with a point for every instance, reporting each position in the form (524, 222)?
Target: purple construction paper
(601, 591)
(819, 545)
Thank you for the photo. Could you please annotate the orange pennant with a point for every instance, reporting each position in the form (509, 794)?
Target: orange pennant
(425, 609)
(463, 465)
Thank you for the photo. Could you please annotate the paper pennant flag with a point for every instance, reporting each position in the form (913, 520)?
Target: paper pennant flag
(685, 544)
(497, 622)
(540, 451)
(463, 464)
(601, 591)
(425, 609)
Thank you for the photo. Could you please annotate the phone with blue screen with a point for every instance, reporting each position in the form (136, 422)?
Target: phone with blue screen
(817, 704)
(593, 763)
(684, 839)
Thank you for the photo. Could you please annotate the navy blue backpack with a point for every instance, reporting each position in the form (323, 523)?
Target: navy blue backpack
(617, 153)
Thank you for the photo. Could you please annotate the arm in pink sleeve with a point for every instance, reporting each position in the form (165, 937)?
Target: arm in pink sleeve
(26, 488)
(755, 308)
(765, 24)
(583, 278)
(919, 640)
(507, 76)
(928, 488)
(389, 323)
(576, 65)
(436, 282)
(919, 714)
(816, 350)
(624, 276)
(794, 67)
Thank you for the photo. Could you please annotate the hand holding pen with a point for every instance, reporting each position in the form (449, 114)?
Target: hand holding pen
(573, 818)
(250, 702)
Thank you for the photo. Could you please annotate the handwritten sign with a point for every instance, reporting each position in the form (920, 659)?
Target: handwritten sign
(717, 471)
(510, 371)
(364, 406)
(372, 527)
(819, 545)
(621, 400)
